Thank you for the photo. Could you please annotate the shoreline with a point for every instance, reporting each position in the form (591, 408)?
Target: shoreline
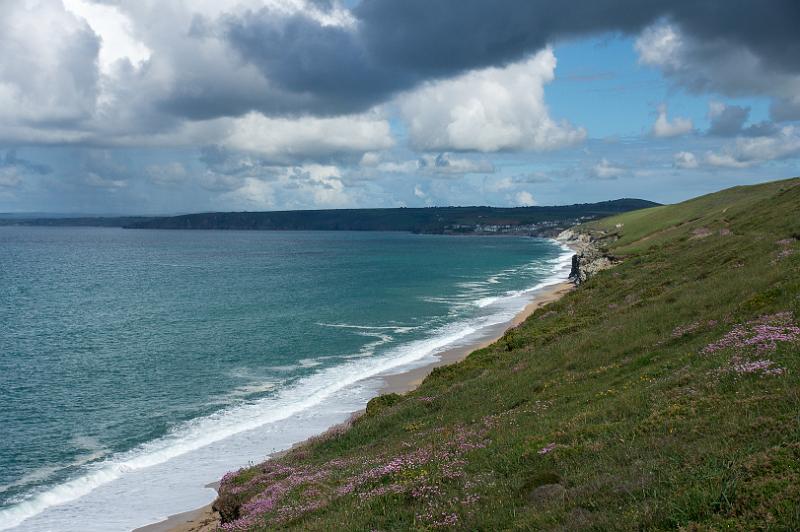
(204, 519)
(406, 381)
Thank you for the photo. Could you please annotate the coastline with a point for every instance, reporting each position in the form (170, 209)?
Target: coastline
(406, 381)
(204, 519)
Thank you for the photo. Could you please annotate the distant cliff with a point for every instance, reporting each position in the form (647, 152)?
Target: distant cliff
(439, 220)
(538, 221)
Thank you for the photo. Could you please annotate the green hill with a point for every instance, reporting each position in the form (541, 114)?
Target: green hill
(542, 219)
(663, 393)
(538, 220)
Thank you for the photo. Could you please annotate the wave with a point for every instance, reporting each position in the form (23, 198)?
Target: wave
(398, 329)
(558, 268)
(306, 393)
(486, 301)
(254, 389)
(303, 394)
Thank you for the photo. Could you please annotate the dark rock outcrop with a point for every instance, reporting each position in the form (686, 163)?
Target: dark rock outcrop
(588, 258)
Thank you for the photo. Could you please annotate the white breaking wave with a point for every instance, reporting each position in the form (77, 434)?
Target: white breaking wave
(306, 393)
(486, 301)
(303, 395)
(252, 389)
(398, 329)
(560, 266)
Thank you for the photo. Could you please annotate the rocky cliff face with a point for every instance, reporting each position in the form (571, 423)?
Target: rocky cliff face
(588, 259)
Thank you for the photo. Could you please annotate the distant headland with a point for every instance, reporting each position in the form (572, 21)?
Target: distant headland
(535, 221)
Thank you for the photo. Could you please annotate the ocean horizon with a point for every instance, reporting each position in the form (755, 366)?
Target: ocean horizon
(140, 365)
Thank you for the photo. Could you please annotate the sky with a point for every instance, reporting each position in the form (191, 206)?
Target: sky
(176, 106)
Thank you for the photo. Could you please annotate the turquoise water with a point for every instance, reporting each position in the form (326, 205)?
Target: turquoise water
(137, 365)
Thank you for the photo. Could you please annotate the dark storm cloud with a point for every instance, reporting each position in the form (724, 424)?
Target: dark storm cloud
(729, 121)
(764, 128)
(327, 68)
(444, 36)
(396, 45)
(768, 29)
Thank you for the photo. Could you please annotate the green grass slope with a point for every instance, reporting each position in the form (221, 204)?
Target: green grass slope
(662, 394)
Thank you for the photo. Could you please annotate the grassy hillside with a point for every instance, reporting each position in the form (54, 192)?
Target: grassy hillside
(664, 393)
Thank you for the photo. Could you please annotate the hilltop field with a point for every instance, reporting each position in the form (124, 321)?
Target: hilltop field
(661, 394)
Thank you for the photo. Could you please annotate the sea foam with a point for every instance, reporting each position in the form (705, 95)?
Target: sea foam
(296, 402)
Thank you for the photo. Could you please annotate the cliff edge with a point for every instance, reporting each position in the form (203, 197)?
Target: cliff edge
(589, 259)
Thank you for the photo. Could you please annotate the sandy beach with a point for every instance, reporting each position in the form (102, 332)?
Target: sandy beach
(408, 380)
(205, 519)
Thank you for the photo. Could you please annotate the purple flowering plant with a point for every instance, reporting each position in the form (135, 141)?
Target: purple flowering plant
(749, 343)
(280, 493)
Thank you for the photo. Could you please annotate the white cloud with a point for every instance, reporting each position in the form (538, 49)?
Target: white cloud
(138, 73)
(664, 127)
(498, 185)
(418, 192)
(48, 71)
(750, 151)
(325, 185)
(167, 174)
(726, 160)
(9, 177)
(685, 159)
(401, 167)
(443, 164)
(95, 180)
(716, 109)
(489, 110)
(115, 28)
(370, 159)
(309, 136)
(660, 46)
(606, 170)
(306, 186)
(337, 16)
(510, 185)
(252, 193)
(785, 143)
(375, 161)
(524, 198)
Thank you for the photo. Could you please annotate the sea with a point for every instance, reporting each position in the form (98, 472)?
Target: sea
(138, 366)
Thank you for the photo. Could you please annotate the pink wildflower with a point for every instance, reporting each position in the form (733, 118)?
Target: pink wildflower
(764, 367)
(762, 334)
